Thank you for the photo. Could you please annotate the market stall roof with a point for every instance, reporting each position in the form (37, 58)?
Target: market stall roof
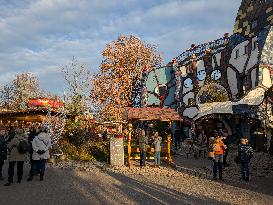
(162, 114)
(254, 98)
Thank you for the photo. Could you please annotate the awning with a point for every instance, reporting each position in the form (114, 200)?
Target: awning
(164, 114)
(254, 98)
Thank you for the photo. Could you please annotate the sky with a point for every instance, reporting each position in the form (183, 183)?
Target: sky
(40, 36)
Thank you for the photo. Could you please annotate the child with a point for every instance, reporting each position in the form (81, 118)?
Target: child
(245, 153)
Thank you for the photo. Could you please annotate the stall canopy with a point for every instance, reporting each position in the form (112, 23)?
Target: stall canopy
(254, 98)
(164, 114)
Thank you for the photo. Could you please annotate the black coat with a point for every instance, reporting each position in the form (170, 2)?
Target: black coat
(3, 149)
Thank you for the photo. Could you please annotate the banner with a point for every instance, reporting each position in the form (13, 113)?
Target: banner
(45, 102)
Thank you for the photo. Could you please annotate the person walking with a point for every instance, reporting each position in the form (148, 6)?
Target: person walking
(157, 148)
(245, 153)
(40, 145)
(219, 150)
(18, 149)
(32, 134)
(143, 145)
(3, 151)
(226, 140)
(177, 138)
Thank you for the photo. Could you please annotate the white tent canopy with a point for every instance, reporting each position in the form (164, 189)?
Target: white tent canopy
(254, 97)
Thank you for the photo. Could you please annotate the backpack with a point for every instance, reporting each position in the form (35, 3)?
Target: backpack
(23, 147)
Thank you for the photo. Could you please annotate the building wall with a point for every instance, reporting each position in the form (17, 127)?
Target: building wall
(225, 69)
(228, 68)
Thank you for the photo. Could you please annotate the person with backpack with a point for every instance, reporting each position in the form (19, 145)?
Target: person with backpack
(245, 153)
(18, 149)
(41, 145)
(3, 151)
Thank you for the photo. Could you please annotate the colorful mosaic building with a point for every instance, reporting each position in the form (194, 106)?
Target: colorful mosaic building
(227, 79)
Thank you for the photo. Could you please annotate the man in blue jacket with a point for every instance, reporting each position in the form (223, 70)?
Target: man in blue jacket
(3, 151)
(245, 153)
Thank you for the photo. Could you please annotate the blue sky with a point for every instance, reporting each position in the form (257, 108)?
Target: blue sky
(40, 36)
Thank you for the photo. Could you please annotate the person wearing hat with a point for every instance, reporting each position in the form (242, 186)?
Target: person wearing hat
(41, 145)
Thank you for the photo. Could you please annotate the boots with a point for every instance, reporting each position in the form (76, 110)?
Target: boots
(8, 184)
(41, 177)
(30, 178)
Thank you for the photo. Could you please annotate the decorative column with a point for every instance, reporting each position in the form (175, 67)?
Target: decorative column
(169, 141)
(130, 126)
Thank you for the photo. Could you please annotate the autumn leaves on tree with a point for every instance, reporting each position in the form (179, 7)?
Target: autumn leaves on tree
(123, 62)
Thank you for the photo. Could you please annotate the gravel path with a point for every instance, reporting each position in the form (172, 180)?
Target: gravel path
(85, 183)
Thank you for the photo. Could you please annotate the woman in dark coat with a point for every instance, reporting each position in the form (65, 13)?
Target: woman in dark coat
(3, 151)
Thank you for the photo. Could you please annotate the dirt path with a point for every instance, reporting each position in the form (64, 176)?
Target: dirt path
(124, 186)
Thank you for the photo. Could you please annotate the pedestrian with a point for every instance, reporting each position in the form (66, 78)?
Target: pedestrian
(218, 149)
(33, 132)
(177, 138)
(201, 145)
(245, 153)
(11, 133)
(226, 140)
(18, 149)
(157, 148)
(3, 151)
(143, 145)
(41, 145)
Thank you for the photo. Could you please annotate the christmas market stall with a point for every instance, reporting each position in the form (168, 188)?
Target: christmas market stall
(37, 112)
(148, 116)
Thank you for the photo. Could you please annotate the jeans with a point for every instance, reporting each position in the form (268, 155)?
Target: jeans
(157, 157)
(20, 166)
(218, 165)
(38, 165)
(245, 170)
(1, 165)
(142, 157)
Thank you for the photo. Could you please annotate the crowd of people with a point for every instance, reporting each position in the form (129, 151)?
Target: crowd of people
(215, 147)
(19, 144)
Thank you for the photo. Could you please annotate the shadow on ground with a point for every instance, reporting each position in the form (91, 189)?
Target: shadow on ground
(71, 187)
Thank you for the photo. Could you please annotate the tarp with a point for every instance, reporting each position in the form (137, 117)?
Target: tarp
(164, 114)
(254, 97)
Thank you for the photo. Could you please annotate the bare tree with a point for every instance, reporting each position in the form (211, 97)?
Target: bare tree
(77, 78)
(25, 86)
(6, 96)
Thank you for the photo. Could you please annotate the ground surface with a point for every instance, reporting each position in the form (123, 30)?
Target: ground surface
(87, 183)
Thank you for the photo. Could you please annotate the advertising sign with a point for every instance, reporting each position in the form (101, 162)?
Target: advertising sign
(45, 102)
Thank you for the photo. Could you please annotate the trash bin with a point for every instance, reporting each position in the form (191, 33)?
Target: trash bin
(116, 150)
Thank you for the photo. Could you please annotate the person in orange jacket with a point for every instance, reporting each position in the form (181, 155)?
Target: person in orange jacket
(219, 151)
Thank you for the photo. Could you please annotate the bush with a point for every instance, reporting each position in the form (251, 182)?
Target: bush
(75, 153)
(77, 133)
(90, 150)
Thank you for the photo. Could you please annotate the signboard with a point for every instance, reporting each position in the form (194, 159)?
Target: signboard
(45, 102)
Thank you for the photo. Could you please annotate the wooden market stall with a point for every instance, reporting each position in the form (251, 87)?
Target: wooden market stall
(150, 114)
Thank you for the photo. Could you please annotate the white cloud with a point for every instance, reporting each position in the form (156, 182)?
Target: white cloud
(42, 35)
